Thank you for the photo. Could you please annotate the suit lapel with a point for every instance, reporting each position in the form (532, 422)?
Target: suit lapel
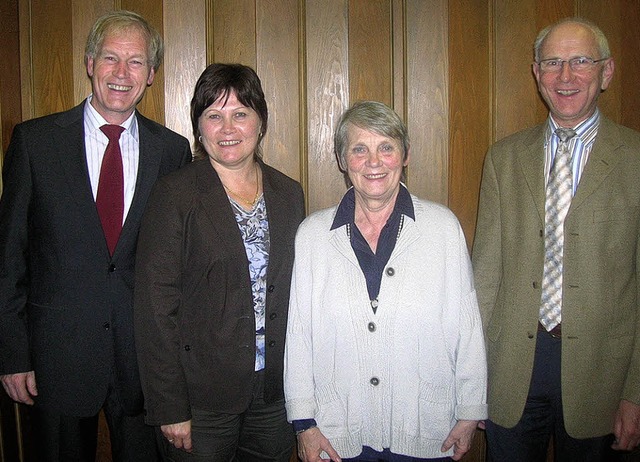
(150, 149)
(602, 160)
(74, 165)
(530, 153)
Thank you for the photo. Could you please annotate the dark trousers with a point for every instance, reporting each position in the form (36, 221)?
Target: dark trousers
(62, 438)
(542, 418)
(259, 434)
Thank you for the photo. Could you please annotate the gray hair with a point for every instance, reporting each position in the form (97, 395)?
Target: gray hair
(601, 40)
(122, 20)
(373, 116)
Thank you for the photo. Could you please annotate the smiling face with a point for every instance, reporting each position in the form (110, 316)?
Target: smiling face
(230, 132)
(572, 96)
(120, 73)
(374, 164)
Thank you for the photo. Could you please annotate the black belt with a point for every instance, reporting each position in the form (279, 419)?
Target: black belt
(556, 332)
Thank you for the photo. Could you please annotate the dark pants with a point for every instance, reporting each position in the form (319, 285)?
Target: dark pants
(542, 418)
(62, 438)
(259, 434)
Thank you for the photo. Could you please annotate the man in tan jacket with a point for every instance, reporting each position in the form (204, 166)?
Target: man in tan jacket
(562, 311)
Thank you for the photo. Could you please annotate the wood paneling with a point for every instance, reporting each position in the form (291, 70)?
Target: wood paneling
(427, 98)
(458, 72)
(326, 80)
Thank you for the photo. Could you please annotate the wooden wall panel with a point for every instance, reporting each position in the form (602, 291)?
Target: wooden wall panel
(279, 66)
(628, 64)
(427, 98)
(10, 102)
(52, 74)
(470, 106)
(232, 29)
(327, 96)
(370, 51)
(185, 59)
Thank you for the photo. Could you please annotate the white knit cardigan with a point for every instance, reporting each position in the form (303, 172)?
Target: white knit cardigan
(399, 378)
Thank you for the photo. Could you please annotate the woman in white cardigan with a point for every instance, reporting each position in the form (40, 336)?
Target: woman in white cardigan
(385, 357)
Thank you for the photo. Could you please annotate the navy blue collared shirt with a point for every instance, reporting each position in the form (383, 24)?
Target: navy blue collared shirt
(372, 264)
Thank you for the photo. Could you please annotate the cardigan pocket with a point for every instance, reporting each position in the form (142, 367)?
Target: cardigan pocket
(332, 415)
(437, 404)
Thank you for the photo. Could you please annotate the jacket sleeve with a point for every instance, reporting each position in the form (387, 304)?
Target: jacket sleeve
(156, 305)
(14, 255)
(487, 248)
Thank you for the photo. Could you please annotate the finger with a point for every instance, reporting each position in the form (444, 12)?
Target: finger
(186, 444)
(31, 384)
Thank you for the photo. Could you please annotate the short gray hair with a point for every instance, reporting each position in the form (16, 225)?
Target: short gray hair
(372, 116)
(601, 40)
(122, 20)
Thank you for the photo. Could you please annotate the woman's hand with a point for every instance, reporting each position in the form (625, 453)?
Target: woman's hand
(460, 437)
(178, 434)
(311, 443)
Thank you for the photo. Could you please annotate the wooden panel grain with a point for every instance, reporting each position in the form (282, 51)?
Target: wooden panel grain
(629, 68)
(152, 104)
(470, 132)
(370, 68)
(10, 101)
(278, 65)
(185, 59)
(398, 14)
(427, 98)
(516, 95)
(51, 56)
(232, 31)
(327, 96)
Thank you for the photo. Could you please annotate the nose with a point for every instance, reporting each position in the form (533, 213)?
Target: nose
(227, 124)
(121, 69)
(374, 158)
(566, 73)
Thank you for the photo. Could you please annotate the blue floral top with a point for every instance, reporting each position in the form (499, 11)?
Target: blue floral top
(254, 228)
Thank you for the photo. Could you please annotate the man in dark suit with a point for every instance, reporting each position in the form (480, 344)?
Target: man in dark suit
(556, 261)
(67, 248)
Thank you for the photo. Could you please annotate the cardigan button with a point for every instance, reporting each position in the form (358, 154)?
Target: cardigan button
(390, 271)
(371, 326)
(375, 381)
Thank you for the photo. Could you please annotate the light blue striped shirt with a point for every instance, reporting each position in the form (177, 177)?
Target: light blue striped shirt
(96, 141)
(580, 146)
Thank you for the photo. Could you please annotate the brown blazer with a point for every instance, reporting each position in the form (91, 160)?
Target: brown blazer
(600, 313)
(194, 318)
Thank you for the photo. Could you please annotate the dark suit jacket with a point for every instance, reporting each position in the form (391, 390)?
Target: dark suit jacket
(601, 305)
(194, 318)
(66, 306)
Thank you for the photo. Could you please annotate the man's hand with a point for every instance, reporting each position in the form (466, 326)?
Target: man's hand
(178, 434)
(20, 387)
(311, 443)
(626, 428)
(460, 438)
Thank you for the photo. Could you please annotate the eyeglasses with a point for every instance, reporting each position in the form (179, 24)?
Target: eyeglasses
(578, 64)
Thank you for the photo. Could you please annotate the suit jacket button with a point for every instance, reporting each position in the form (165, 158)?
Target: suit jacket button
(112, 268)
(272, 343)
(187, 348)
(273, 316)
(106, 326)
(271, 288)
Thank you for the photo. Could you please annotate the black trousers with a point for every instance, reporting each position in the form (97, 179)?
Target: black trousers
(259, 434)
(63, 438)
(542, 418)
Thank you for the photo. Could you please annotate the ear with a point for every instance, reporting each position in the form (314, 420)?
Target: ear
(535, 67)
(406, 161)
(90, 66)
(607, 73)
(152, 74)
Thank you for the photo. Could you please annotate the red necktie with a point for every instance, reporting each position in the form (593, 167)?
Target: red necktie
(110, 197)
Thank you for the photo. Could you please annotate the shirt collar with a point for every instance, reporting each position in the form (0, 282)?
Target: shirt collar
(587, 126)
(93, 120)
(347, 207)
